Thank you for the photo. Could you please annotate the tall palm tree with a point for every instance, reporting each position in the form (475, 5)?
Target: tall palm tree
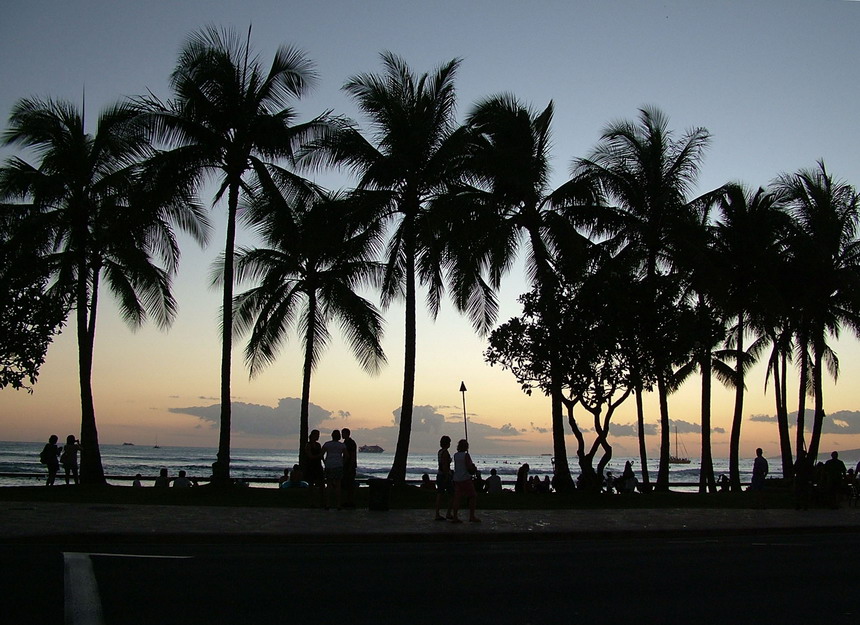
(510, 201)
(228, 116)
(413, 155)
(826, 250)
(308, 275)
(648, 175)
(747, 248)
(105, 220)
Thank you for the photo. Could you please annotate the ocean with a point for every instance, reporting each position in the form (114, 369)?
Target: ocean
(254, 465)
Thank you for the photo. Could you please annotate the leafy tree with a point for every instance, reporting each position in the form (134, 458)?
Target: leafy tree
(826, 254)
(647, 174)
(228, 116)
(307, 277)
(414, 154)
(30, 315)
(104, 220)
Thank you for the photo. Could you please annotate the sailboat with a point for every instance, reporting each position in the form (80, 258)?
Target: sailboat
(156, 446)
(675, 458)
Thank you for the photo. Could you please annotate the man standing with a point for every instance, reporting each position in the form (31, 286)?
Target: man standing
(350, 467)
(760, 470)
(834, 475)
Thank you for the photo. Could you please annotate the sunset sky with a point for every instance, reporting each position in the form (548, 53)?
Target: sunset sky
(776, 82)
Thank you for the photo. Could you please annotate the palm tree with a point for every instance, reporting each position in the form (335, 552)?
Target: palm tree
(510, 200)
(648, 174)
(826, 251)
(105, 221)
(229, 114)
(412, 158)
(308, 276)
(747, 248)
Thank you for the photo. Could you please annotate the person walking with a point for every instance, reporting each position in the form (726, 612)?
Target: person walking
(464, 469)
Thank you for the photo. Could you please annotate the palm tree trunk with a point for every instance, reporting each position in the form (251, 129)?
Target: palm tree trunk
(818, 389)
(221, 473)
(397, 474)
(310, 336)
(562, 480)
(706, 472)
(780, 386)
(737, 418)
(800, 445)
(92, 471)
(663, 469)
(643, 452)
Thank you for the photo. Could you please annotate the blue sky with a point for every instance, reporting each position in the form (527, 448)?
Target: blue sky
(775, 82)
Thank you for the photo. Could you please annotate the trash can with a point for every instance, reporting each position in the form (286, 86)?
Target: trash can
(379, 493)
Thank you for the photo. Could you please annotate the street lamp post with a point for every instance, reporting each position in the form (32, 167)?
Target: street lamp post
(465, 420)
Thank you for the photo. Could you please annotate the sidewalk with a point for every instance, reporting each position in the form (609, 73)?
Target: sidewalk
(30, 522)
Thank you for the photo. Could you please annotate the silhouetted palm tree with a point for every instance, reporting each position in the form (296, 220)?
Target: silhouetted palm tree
(105, 221)
(747, 248)
(308, 276)
(510, 200)
(826, 254)
(228, 116)
(648, 175)
(414, 153)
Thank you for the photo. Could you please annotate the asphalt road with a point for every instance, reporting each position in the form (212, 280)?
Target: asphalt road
(762, 578)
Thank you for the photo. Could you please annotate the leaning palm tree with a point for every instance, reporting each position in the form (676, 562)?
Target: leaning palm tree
(825, 247)
(510, 203)
(228, 116)
(648, 174)
(308, 275)
(412, 157)
(105, 220)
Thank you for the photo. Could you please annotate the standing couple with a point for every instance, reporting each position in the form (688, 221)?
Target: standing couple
(459, 482)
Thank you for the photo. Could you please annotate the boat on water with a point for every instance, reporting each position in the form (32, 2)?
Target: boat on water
(675, 458)
(370, 449)
(128, 444)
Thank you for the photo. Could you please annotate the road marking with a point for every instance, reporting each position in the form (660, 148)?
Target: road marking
(81, 591)
(82, 603)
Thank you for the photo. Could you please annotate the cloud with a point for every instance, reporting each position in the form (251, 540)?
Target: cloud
(839, 422)
(631, 429)
(260, 420)
(763, 418)
(424, 419)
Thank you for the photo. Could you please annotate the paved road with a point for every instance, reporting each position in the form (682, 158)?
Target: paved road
(758, 578)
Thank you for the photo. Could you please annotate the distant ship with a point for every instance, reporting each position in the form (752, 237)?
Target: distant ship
(129, 444)
(371, 449)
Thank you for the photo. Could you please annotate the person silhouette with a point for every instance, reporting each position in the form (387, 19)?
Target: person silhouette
(163, 480)
(522, 484)
(69, 458)
(49, 458)
(335, 455)
(464, 486)
(444, 478)
(313, 469)
(350, 469)
(493, 484)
